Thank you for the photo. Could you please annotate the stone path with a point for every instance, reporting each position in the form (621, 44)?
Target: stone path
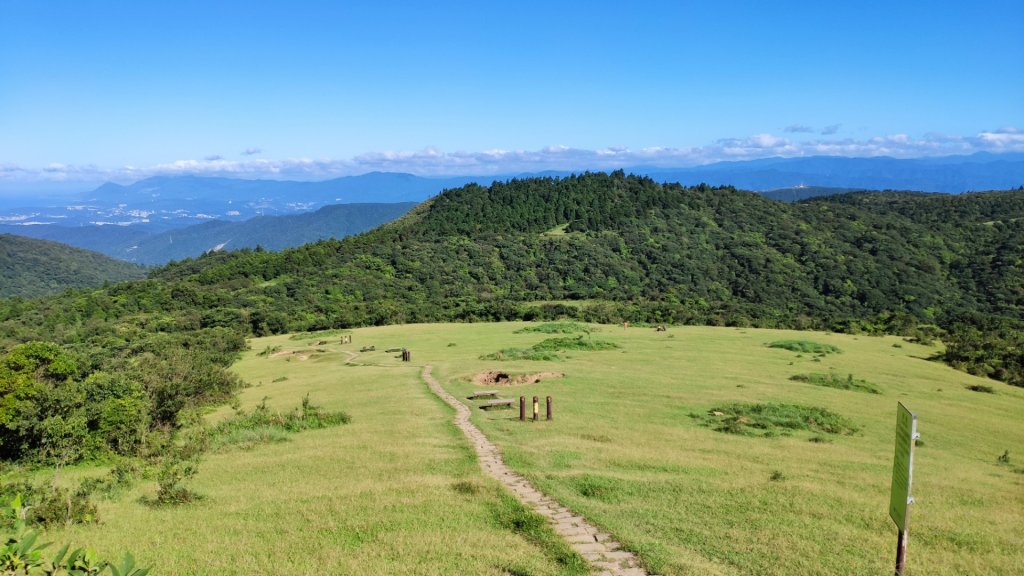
(605, 554)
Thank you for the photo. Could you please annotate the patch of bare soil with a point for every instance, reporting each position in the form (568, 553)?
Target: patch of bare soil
(300, 355)
(499, 378)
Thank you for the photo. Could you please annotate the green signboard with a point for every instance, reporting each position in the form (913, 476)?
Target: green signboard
(902, 466)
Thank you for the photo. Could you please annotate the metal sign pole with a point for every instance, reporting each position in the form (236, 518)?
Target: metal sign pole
(901, 552)
(902, 476)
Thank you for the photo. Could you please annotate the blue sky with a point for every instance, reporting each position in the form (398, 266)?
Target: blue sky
(119, 90)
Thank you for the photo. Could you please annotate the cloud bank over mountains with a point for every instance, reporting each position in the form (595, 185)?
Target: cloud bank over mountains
(434, 162)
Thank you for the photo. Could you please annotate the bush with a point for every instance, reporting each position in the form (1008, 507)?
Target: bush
(172, 473)
(981, 388)
(48, 505)
(20, 554)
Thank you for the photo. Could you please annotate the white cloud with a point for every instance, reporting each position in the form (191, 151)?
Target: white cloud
(434, 162)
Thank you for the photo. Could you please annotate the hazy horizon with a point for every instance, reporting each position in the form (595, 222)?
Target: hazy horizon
(315, 90)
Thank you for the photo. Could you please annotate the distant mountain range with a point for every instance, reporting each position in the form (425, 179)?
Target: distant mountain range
(30, 267)
(155, 220)
(135, 244)
(949, 174)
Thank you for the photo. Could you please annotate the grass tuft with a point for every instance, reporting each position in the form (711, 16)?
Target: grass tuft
(556, 328)
(548, 349)
(261, 426)
(805, 346)
(511, 515)
(772, 419)
(981, 388)
(833, 380)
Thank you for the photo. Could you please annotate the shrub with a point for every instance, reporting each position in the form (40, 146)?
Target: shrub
(20, 554)
(981, 388)
(172, 473)
(120, 478)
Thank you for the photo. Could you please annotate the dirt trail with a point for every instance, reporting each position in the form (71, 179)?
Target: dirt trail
(605, 555)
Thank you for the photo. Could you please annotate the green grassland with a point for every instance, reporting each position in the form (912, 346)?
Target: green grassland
(397, 490)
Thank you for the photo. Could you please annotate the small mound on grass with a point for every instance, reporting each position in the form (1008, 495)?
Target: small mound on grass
(556, 328)
(834, 380)
(499, 378)
(772, 419)
(547, 349)
(804, 346)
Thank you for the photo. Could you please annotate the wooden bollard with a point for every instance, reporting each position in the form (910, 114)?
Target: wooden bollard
(406, 355)
(536, 408)
(522, 408)
(549, 408)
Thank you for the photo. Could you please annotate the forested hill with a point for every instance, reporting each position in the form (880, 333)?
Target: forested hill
(31, 267)
(601, 247)
(646, 251)
(268, 232)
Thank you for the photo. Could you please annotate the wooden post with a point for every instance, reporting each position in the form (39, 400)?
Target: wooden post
(536, 408)
(549, 407)
(522, 408)
(901, 552)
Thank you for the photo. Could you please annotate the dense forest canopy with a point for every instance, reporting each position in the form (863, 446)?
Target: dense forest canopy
(31, 267)
(601, 247)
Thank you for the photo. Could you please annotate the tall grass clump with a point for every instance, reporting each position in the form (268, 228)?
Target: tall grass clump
(556, 328)
(833, 380)
(548, 349)
(262, 426)
(513, 516)
(805, 347)
(773, 419)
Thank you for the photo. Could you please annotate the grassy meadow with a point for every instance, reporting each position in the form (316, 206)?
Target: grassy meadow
(632, 447)
(396, 491)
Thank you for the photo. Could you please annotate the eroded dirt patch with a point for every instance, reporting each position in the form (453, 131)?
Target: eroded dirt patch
(501, 378)
(300, 355)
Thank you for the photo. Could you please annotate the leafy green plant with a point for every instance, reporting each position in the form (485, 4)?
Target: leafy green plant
(121, 477)
(172, 474)
(21, 554)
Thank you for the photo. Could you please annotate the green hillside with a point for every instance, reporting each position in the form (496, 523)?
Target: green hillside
(601, 247)
(268, 232)
(31, 268)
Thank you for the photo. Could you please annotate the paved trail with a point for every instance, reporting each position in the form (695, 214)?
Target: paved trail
(603, 553)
